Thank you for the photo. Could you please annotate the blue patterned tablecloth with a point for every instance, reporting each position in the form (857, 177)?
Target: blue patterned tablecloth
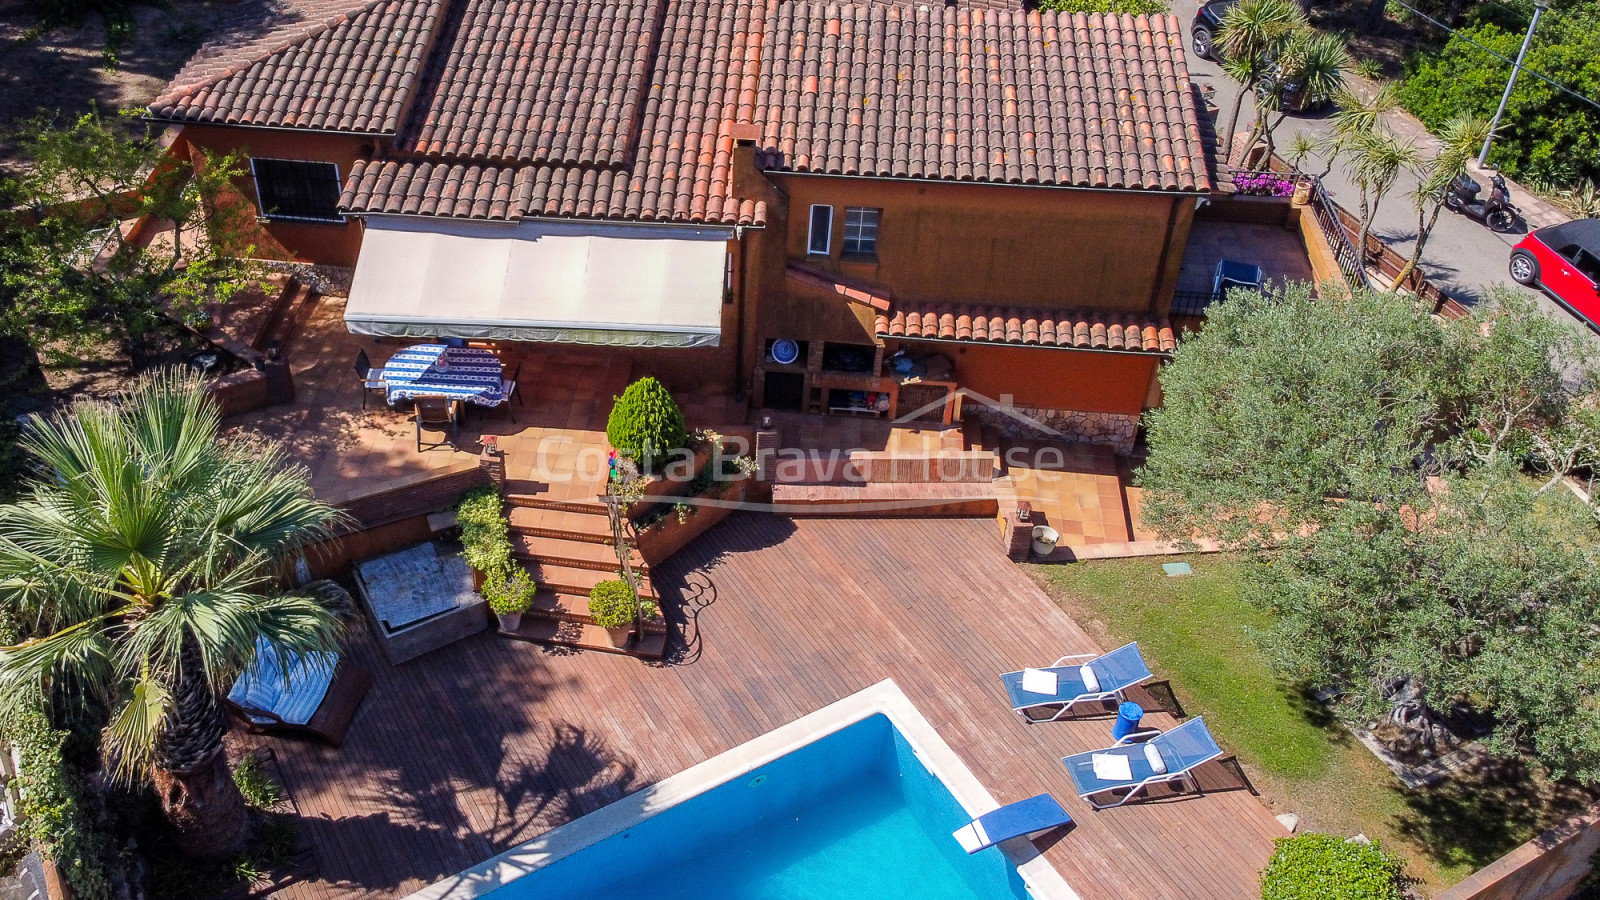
(467, 374)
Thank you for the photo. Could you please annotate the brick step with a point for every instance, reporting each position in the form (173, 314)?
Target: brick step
(578, 582)
(560, 524)
(574, 554)
(886, 500)
(584, 637)
(571, 496)
(558, 604)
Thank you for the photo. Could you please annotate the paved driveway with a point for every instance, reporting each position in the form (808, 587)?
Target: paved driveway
(1463, 257)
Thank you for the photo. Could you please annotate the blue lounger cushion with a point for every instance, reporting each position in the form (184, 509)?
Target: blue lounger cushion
(1013, 820)
(262, 688)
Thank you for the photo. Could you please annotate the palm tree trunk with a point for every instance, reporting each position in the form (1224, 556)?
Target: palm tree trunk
(1424, 228)
(1233, 121)
(191, 773)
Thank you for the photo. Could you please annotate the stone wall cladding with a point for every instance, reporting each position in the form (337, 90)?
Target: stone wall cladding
(1115, 430)
(324, 280)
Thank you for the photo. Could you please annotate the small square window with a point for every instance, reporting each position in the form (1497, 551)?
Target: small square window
(861, 231)
(297, 189)
(818, 240)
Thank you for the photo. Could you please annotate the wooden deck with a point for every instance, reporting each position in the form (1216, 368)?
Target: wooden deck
(472, 749)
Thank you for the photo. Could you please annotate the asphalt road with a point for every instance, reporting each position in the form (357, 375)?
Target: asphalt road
(1463, 257)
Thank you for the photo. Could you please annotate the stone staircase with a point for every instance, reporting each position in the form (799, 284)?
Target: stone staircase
(561, 533)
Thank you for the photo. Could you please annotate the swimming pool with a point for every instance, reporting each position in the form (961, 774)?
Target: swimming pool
(853, 802)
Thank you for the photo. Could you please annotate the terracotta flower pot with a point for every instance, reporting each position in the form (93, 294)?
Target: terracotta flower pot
(1302, 193)
(621, 637)
(478, 578)
(510, 621)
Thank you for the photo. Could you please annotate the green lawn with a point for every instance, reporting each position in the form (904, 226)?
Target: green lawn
(1197, 631)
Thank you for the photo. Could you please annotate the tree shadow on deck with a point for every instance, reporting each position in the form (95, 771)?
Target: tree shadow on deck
(686, 583)
(446, 766)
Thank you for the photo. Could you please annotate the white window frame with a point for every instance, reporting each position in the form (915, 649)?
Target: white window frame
(861, 228)
(338, 180)
(811, 231)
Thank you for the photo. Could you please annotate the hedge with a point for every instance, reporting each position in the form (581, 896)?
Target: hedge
(1314, 866)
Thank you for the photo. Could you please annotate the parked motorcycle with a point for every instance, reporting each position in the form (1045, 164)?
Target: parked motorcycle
(1494, 210)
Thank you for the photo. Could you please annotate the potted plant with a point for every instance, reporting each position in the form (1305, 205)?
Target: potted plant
(509, 597)
(614, 607)
(485, 534)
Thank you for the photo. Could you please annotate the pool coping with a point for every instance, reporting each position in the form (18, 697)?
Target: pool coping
(885, 698)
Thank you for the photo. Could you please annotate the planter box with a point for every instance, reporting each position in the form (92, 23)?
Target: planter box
(668, 536)
(660, 489)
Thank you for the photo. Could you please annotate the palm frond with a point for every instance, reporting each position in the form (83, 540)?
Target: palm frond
(130, 738)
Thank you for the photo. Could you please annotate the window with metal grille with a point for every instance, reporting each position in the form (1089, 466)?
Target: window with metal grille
(819, 237)
(297, 189)
(861, 231)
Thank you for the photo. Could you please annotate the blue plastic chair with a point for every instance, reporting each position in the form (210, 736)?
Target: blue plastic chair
(1154, 757)
(1231, 273)
(1039, 813)
(1112, 673)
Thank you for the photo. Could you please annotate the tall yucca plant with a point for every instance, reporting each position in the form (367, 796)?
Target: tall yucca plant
(1459, 139)
(1254, 34)
(144, 556)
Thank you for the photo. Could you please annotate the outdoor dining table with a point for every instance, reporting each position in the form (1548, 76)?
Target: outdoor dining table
(465, 374)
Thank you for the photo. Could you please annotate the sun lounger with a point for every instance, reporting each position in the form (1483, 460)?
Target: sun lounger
(1048, 694)
(319, 698)
(1142, 759)
(1012, 820)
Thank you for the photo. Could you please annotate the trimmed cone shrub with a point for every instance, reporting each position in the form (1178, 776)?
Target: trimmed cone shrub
(1314, 866)
(612, 604)
(646, 423)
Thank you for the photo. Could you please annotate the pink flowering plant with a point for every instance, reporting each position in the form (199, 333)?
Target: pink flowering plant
(1263, 184)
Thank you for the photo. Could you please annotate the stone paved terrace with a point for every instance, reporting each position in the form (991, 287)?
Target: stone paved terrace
(474, 748)
(1278, 251)
(560, 423)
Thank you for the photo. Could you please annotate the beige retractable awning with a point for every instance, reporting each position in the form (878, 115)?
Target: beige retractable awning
(573, 283)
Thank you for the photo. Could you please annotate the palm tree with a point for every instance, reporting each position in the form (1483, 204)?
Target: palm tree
(1356, 115)
(1374, 160)
(1460, 138)
(1315, 61)
(144, 556)
(1253, 35)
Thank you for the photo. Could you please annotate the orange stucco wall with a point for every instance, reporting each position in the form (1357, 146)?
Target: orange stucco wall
(1047, 377)
(328, 244)
(1016, 246)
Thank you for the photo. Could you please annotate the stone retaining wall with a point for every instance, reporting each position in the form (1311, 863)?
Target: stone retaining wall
(1114, 430)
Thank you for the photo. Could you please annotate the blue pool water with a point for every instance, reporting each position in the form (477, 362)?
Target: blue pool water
(852, 816)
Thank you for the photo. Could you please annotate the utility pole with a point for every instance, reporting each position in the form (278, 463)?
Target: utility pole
(1539, 6)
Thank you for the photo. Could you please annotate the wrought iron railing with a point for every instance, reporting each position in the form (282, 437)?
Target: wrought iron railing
(1351, 262)
(1193, 303)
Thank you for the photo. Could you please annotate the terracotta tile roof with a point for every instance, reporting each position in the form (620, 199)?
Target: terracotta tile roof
(626, 109)
(955, 92)
(537, 81)
(426, 188)
(1079, 329)
(871, 295)
(681, 168)
(328, 65)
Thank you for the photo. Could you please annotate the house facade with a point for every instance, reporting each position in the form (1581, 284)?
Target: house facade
(851, 209)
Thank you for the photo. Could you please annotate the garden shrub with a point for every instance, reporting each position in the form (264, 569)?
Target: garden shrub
(1314, 866)
(60, 813)
(1545, 134)
(509, 595)
(612, 604)
(646, 423)
(485, 533)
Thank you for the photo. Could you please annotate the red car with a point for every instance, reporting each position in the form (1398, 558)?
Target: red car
(1564, 260)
